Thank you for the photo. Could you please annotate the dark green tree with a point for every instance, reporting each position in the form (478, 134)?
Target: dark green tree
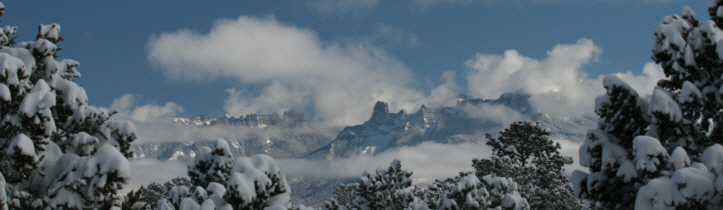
(524, 153)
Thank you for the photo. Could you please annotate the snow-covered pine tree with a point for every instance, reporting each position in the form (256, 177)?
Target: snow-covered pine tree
(686, 49)
(467, 191)
(677, 165)
(151, 193)
(524, 153)
(529, 144)
(254, 182)
(608, 151)
(388, 189)
(212, 165)
(55, 150)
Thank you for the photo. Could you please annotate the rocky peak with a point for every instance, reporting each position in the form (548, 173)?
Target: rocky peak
(380, 109)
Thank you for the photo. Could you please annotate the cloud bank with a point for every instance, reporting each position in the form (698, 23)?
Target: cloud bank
(127, 109)
(339, 81)
(428, 161)
(557, 83)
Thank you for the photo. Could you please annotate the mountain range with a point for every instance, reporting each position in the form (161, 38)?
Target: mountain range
(295, 135)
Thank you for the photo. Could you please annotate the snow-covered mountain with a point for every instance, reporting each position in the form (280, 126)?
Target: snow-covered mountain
(291, 136)
(447, 124)
(287, 136)
(280, 137)
(288, 119)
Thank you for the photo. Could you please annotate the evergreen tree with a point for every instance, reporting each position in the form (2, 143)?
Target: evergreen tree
(56, 151)
(529, 144)
(150, 194)
(677, 162)
(608, 150)
(212, 165)
(389, 188)
(524, 153)
(220, 182)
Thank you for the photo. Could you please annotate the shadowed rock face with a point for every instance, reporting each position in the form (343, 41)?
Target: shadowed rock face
(448, 124)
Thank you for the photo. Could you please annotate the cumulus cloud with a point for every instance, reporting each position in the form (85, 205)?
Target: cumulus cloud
(339, 81)
(424, 159)
(557, 83)
(126, 105)
(497, 114)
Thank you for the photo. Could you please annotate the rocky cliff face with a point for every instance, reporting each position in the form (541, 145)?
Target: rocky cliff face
(448, 124)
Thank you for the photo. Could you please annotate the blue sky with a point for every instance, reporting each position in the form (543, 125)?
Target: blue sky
(409, 42)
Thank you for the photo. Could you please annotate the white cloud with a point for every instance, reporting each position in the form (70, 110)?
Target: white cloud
(342, 8)
(127, 108)
(424, 159)
(498, 114)
(340, 81)
(558, 83)
(124, 103)
(274, 98)
(644, 83)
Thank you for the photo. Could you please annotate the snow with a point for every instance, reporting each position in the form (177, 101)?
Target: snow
(66, 198)
(689, 93)
(72, 94)
(45, 48)
(597, 138)
(247, 172)
(688, 13)
(22, 144)
(627, 171)
(177, 193)
(5, 93)
(601, 101)
(613, 155)
(189, 204)
(82, 143)
(11, 68)
(25, 56)
(661, 102)
(164, 204)
(647, 150)
(469, 182)
(3, 196)
(108, 160)
(669, 34)
(713, 158)
(51, 31)
(125, 129)
(37, 105)
(690, 184)
(694, 182)
(611, 81)
(678, 159)
(660, 193)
